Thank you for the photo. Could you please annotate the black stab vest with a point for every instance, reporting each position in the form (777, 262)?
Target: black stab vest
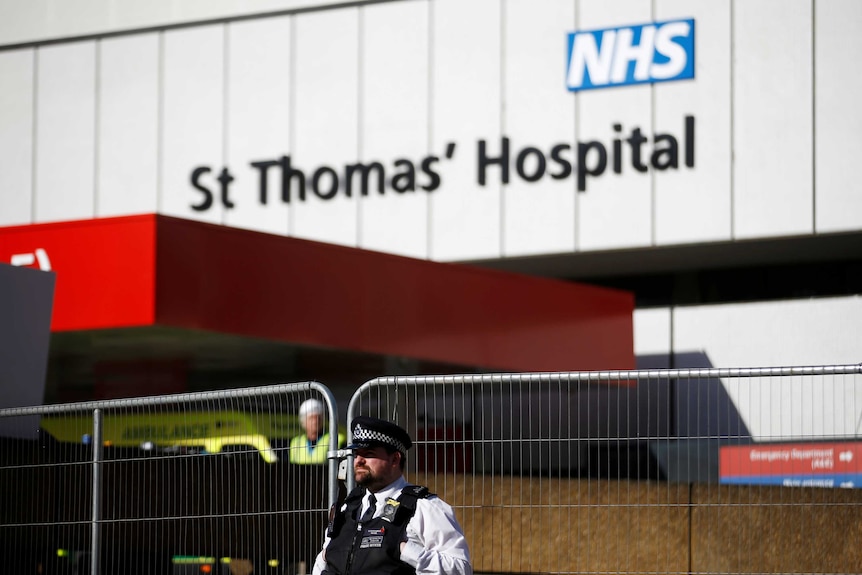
(373, 547)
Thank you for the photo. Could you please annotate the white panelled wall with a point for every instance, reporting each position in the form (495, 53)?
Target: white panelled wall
(193, 121)
(128, 134)
(65, 133)
(114, 126)
(466, 105)
(781, 333)
(326, 123)
(395, 122)
(43, 20)
(258, 119)
(538, 119)
(615, 209)
(16, 136)
(95, 127)
(838, 121)
(694, 205)
(772, 118)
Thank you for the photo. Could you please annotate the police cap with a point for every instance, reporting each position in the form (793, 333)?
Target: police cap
(374, 432)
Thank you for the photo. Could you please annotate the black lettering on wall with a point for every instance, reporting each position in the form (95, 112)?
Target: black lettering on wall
(618, 151)
(502, 160)
(598, 169)
(664, 157)
(565, 165)
(404, 181)
(433, 176)
(365, 171)
(208, 195)
(324, 173)
(531, 164)
(636, 140)
(689, 141)
(263, 168)
(225, 179)
(521, 161)
(288, 175)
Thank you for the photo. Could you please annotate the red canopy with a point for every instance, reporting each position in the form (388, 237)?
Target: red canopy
(153, 270)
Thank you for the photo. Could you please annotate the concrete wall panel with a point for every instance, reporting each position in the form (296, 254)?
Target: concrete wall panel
(838, 122)
(65, 132)
(325, 119)
(404, 80)
(395, 94)
(193, 122)
(258, 120)
(465, 216)
(652, 331)
(807, 332)
(16, 137)
(39, 20)
(772, 118)
(694, 204)
(615, 210)
(127, 169)
(538, 217)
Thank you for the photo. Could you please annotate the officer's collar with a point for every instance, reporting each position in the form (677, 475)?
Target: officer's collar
(393, 490)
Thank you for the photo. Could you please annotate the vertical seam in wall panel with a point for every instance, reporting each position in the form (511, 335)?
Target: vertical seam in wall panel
(813, 118)
(360, 112)
(652, 227)
(732, 106)
(291, 113)
(652, 172)
(160, 120)
(225, 103)
(429, 229)
(97, 101)
(35, 136)
(503, 127)
(576, 100)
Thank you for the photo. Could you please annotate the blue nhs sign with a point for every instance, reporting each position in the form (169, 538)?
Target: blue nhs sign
(656, 52)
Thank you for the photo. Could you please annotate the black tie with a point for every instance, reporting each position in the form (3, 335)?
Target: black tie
(372, 506)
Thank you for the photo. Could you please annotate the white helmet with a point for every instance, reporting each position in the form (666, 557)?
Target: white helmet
(310, 406)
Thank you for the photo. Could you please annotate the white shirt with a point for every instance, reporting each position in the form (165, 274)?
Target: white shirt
(435, 541)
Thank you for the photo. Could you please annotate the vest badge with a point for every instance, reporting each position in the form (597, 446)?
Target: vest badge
(390, 509)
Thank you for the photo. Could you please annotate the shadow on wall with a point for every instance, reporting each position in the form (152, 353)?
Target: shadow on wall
(704, 417)
(657, 428)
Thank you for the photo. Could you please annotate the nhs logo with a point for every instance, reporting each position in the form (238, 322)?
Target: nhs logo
(656, 52)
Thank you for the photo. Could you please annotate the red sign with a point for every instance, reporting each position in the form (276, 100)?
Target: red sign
(790, 459)
(105, 268)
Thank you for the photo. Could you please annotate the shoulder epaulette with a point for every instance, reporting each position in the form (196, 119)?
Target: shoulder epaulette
(417, 491)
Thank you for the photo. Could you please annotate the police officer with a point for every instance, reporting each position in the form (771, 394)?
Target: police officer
(387, 525)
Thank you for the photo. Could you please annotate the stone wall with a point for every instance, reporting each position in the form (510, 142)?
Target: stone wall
(546, 525)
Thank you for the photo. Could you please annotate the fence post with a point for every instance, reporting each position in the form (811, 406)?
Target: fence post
(333, 443)
(97, 456)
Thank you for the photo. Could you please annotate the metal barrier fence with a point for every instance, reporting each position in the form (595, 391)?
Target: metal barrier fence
(192, 483)
(662, 471)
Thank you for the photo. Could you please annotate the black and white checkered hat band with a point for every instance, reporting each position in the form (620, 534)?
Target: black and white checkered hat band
(361, 434)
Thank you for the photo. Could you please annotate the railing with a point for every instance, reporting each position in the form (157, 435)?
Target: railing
(184, 482)
(657, 471)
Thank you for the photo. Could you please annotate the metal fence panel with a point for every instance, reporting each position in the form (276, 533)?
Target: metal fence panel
(660, 471)
(193, 483)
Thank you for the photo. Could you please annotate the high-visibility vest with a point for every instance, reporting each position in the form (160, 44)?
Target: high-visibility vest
(301, 454)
